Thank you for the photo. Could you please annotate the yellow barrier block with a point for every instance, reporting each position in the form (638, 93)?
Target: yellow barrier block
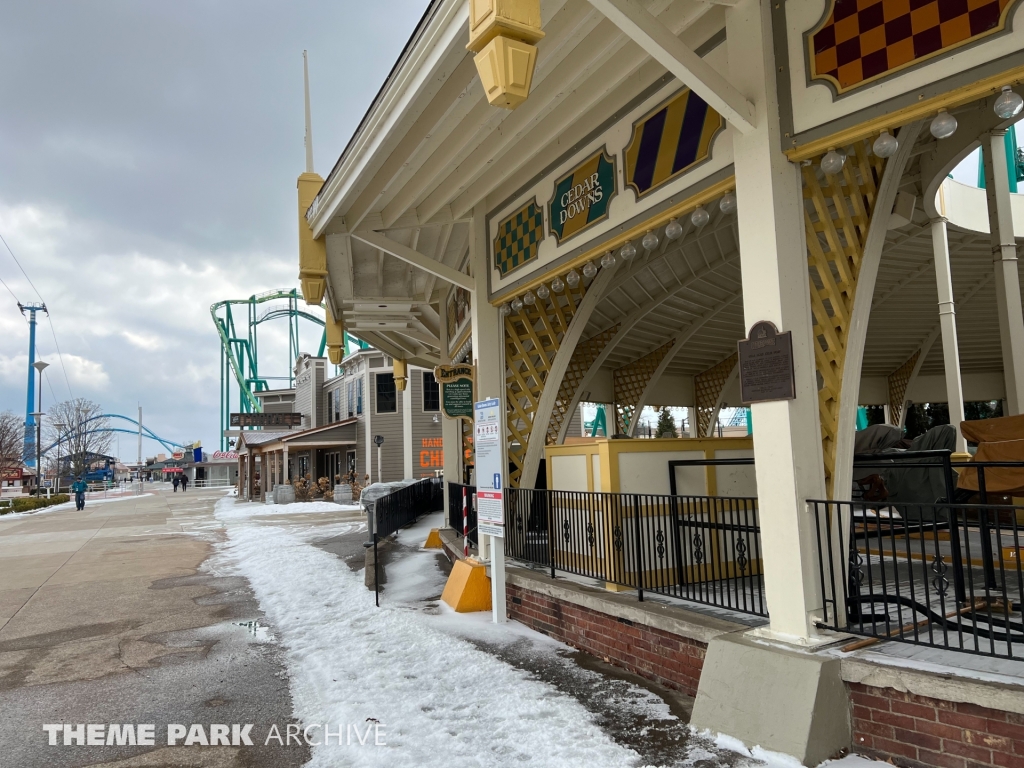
(433, 539)
(468, 588)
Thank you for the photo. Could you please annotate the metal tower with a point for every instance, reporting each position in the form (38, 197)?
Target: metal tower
(240, 354)
(29, 452)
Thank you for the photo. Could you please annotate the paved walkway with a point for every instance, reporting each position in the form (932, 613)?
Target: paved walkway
(106, 617)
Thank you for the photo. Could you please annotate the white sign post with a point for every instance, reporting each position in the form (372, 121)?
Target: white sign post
(490, 494)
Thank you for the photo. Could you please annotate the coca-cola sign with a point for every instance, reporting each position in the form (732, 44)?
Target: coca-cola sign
(224, 455)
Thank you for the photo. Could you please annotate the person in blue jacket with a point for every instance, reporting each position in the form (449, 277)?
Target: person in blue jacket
(79, 488)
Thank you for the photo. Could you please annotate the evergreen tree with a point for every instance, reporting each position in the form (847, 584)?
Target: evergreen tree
(666, 424)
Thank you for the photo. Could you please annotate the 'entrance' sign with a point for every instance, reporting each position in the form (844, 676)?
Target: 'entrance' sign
(766, 365)
(456, 382)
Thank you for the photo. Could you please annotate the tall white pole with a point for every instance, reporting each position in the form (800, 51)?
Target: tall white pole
(309, 121)
(947, 322)
(1004, 257)
(140, 442)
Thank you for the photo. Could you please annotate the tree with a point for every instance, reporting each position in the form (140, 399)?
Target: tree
(666, 424)
(84, 433)
(12, 441)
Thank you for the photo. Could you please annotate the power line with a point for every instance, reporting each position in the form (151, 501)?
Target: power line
(49, 319)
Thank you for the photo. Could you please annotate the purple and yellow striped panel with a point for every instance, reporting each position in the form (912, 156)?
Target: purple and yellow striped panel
(671, 139)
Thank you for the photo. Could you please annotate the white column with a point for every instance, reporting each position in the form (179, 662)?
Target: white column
(284, 464)
(407, 467)
(947, 324)
(773, 261)
(371, 455)
(1004, 257)
(489, 358)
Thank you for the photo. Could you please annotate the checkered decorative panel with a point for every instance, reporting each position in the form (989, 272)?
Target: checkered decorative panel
(863, 40)
(519, 237)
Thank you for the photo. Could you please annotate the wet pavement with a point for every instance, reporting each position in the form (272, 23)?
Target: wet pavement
(109, 617)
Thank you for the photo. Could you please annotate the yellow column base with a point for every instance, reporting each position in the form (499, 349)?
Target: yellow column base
(468, 588)
(433, 539)
(609, 586)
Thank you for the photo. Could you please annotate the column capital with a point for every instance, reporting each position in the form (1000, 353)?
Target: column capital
(998, 132)
(939, 220)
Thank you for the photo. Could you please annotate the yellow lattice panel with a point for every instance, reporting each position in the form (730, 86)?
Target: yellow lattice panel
(630, 381)
(532, 339)
(899, 380)
(837, 213)
(583, 357)
(707, 389)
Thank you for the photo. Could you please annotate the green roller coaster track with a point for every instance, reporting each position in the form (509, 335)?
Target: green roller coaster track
(240, 354)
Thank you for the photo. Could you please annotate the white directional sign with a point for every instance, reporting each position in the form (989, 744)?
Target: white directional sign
(489, 491)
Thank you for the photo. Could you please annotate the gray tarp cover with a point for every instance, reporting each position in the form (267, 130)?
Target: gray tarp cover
(874, 439)
(920, 485)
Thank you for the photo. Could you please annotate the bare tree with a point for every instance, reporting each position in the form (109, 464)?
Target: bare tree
(12, 441)
(84, 433)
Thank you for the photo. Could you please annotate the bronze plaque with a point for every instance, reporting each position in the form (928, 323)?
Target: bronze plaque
(766, 365)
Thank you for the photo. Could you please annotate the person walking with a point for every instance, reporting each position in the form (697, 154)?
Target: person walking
(175, 483)
(79, 488)
(184, 483)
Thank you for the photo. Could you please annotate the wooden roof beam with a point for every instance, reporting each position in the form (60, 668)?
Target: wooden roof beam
(655, 38)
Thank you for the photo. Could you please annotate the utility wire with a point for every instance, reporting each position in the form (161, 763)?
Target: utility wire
(49, 319)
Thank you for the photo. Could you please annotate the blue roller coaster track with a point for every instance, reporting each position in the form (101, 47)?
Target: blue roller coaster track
(146, 432)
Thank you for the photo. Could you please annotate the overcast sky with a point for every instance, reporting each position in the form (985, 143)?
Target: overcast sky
(148, 158)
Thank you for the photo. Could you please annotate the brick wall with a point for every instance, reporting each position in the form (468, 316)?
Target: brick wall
(657, 655)
(914, 730)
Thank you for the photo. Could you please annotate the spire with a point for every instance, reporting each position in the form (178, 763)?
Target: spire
(309, 126)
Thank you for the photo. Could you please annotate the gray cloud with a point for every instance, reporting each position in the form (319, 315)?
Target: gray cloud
(148, 156)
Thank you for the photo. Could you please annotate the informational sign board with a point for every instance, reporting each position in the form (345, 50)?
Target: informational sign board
(766, 365)
(456, 382)
(488, 434)
(266, 419)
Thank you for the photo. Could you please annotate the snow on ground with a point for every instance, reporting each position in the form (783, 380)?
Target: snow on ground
(446, 688)
(439, 699)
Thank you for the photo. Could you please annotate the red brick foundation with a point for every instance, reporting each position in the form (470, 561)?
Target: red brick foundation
(914, 730)
(657, 655)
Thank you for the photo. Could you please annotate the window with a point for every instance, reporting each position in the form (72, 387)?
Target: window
(359, 395)
(387, 397)
(351, 398)
(337, 404)
(431, 392)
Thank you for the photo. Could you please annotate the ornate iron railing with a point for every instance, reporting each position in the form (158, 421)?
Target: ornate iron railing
(700, 548)
(942, 575)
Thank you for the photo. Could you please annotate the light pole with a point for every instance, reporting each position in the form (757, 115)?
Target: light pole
(40, 366)
(60, 429)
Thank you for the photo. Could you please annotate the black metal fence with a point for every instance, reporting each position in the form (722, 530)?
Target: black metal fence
(459, 494)
(401, 508)
(699, 548)
(946, 575)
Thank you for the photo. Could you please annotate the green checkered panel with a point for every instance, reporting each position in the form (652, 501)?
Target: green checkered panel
(519, 237)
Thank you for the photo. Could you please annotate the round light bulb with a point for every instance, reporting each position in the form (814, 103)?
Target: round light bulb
(608, 261)
(1008, 104)
(573, 278)
(727, 204)
(589, 270)
(943, 125)
(517, 304)
(650, 241)
(506, 310)
(885, 145)
(832, 163)
(557, 285)
(700, 217)
(673, 230)
(529, 299)
(543, 292)
(628, 251)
